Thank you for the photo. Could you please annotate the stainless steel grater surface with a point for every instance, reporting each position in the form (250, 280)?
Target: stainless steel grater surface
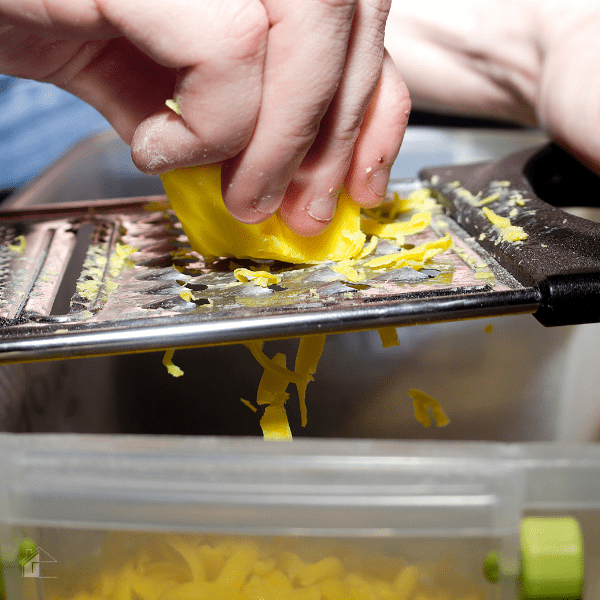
(71, 285)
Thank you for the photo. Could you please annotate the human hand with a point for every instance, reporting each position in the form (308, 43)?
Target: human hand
(534, 62)
(294, 96)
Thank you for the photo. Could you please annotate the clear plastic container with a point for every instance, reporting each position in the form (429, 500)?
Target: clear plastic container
(93, 506)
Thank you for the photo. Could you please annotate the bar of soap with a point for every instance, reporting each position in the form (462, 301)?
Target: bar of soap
(195, 195)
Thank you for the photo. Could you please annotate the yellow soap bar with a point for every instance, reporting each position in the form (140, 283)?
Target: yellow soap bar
(195, 195)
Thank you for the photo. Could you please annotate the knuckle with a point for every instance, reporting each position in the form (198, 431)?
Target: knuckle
(227, 142)
(348, 128)
(338, 5)
(380, 6)
(246, 30)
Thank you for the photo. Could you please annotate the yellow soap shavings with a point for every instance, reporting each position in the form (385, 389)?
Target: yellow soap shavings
(488, 199)
(272, 393)
(248, 404)
(509, 233)
(406, 581)
(416, 256)
(369, 248)
(98, 271)
(516, 198)
(468, 196)
(195, 195)
(18, 246)
(173, 104)
(167, 361)
(496, 219)
(387, 212)
(388, 336)
(261, 278)
(307, 359)
(268, 364)
(421, 403)
(273, 384)
(275, 425)
(345, 268)
(485, 275)
(120, 260)
(88, 289)
(159, 566)
(396, 231)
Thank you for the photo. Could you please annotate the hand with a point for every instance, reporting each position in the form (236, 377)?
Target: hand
(530, 61)
(294, 96)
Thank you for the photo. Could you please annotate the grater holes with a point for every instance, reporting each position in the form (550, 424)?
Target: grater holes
(193, 286)
(102, 233)
(171, 303)
(7, 236)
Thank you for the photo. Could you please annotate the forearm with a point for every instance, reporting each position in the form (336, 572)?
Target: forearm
(471, 57)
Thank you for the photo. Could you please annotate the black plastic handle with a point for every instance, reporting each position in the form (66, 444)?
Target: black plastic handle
(561, 255)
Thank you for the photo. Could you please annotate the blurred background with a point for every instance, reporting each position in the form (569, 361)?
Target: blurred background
(519, 382)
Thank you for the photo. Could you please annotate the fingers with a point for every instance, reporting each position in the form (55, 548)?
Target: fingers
(377, 142)
(307, 48)
(311, 193)
(380, 138)
(278, 89)
(217, 50)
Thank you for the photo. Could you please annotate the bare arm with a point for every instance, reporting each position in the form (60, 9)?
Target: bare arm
(530, 61)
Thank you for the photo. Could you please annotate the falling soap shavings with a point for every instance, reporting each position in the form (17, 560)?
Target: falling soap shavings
(388, 336)
(378, 223)
(422, 402)
(167, 361)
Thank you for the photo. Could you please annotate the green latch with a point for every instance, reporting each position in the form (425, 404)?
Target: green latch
(26, 549)
(551, 559)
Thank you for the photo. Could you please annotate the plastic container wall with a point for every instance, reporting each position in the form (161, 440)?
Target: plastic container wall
(437, 508)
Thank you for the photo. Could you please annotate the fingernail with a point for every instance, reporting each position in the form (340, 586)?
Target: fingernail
(266, 204)
(377, 181)
(322, 209)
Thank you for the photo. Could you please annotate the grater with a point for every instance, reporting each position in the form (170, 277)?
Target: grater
(118, 276)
